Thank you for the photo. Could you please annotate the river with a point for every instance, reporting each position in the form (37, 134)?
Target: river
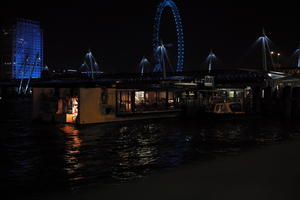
(41, 159)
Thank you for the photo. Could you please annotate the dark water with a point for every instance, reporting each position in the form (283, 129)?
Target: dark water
(42, 159)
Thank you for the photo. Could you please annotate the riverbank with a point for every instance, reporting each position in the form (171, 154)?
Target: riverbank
(269, 172)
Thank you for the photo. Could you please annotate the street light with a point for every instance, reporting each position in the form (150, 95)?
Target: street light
(278, 55)
(273, 53)
(271, 56)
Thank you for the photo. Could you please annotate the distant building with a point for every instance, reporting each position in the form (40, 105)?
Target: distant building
(21, 50)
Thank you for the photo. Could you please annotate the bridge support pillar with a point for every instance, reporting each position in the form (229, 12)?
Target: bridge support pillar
(296, 104)
(268, 101)
(257, 93)
(276, 103)
(287, 102)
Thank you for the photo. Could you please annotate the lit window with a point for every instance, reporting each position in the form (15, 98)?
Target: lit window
(231, 94)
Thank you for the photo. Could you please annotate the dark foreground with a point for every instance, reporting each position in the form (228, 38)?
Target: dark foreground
(249, 158)
(271, 172)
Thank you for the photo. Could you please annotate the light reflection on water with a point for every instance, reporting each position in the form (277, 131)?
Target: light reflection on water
(72, 150)
(49, 158)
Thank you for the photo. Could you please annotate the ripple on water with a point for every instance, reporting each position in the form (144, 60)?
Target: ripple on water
(48, 158)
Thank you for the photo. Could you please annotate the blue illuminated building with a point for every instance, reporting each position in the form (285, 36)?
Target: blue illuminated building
(27, 50)
(21, 50)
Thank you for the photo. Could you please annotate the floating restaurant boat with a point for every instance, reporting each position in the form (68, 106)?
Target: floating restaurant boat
(89, 104)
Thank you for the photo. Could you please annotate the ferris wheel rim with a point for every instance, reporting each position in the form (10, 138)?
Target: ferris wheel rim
(179, 30)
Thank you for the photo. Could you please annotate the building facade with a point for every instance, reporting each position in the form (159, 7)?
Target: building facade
(21, 50)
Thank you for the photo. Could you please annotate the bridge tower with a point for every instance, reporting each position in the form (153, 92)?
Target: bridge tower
(211, 59)
(164, 59)
(143, 65)
(264, 52)
(90, 65)
(36, 64)
(23, 72)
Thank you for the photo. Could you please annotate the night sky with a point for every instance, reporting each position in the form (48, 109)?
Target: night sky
(119, 33)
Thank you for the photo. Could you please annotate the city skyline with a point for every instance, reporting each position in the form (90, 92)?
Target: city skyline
(120, 34)
(153, 99)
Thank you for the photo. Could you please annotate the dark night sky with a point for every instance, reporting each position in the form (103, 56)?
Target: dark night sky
(120, 32)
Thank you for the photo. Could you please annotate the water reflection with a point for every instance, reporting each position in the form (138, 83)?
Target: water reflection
(72, 150)
(51, 158)
(136, 149)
